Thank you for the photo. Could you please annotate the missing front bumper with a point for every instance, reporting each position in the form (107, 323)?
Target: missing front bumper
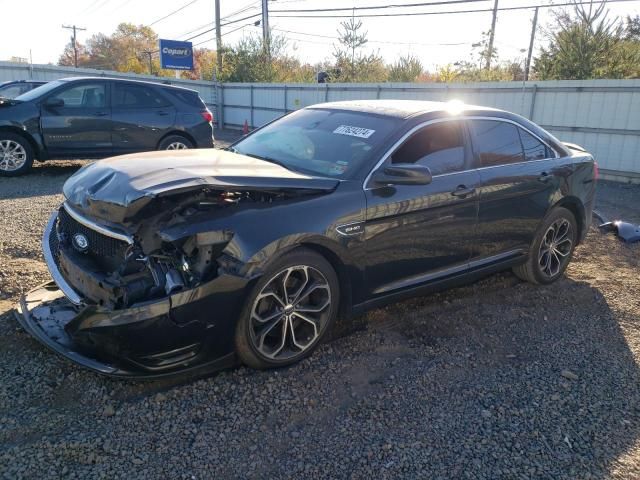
(105, 342)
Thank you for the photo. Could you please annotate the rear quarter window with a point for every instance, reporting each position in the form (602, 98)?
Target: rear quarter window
(190, 98)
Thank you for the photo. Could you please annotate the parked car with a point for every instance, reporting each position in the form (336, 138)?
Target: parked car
(187, 261)
(14, 88)
(99, 117)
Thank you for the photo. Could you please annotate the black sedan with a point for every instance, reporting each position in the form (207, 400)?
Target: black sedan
(86, 117)
(188, 261)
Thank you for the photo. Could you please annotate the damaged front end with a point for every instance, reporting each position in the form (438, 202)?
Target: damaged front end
(149, 274)
(120, 311)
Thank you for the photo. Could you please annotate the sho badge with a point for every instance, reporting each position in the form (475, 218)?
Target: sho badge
(80, 242)
(351, 228)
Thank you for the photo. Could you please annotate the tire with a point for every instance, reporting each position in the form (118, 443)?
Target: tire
(175, 142)
(16, 155)
(274, 330)
(551, 249)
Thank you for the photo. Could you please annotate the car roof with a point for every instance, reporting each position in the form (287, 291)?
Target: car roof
(127, 80)
(8, 82)
(399, 108)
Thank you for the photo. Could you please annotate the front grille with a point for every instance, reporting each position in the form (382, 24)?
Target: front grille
(99, 245)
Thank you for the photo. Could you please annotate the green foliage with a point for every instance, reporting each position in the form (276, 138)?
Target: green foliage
(406, 69)
(351, 64)
(588, 44)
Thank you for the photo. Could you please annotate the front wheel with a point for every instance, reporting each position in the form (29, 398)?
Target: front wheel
(288, 312)
(551, 250)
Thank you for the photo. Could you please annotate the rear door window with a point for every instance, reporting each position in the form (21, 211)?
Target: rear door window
(136, 96)
(439, 146)
(496, 143)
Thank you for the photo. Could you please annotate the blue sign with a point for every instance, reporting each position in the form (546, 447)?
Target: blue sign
(176, 55)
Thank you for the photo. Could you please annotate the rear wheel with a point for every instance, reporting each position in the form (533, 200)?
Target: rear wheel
(16, 155)
(288, 312)
(551, 250)
(175, 142)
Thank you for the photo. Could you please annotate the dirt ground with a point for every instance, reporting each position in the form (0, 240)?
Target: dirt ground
(499, 379)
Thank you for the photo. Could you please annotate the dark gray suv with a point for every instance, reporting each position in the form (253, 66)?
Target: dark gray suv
(99, 117)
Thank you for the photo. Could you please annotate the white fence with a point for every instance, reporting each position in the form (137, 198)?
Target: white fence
(601, 115)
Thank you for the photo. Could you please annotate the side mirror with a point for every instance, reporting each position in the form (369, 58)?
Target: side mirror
(403, 174)
(54, 102)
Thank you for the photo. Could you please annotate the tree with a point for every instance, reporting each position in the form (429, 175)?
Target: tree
(406, 69)
(588, 44)
(350, 62)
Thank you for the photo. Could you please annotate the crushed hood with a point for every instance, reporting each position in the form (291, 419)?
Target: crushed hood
(116, 188)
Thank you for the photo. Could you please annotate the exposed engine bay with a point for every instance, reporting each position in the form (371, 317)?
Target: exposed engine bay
(149, 263)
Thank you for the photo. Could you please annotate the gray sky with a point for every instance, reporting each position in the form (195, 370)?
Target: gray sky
(36, 26)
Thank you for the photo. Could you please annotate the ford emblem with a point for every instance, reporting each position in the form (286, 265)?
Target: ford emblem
(80, 242)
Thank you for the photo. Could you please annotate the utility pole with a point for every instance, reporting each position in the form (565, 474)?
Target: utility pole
(533, 36)
(266, 40)
(75, 43)
(492, 34)
(218, 39)
(149, 53)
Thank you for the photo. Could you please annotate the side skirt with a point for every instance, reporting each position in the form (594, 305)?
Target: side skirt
(477, 269)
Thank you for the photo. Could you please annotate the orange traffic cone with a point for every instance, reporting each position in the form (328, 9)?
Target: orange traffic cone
(245, 128)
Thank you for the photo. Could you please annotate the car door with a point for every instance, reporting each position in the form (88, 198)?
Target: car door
(418, 233)
(518, 176)
(76, 120)
(141, 117)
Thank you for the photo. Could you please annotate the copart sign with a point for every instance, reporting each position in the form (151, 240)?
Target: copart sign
(176, 55)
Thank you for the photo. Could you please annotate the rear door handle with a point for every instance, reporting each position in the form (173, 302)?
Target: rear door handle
(544, 177)
(463, 191)
(162, 114)
(101, 114)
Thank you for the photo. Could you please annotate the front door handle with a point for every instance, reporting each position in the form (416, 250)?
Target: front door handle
(463, 191)
(162, 114)
(101, 114)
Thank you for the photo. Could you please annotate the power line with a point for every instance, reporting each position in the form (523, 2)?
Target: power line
(225, 33)
(174, 12)
(411, 14)
(385, 42)
(224, 25)
(376, 7)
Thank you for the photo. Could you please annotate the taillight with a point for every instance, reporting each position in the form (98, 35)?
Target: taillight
(206, 114)
(596, 171)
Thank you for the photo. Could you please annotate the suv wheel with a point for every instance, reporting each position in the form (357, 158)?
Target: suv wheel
(175, 142)
(16, 155)
(551, 250)
(288, 312)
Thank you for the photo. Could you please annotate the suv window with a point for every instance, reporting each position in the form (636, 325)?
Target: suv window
(439, 146)
(87, 95)
(534, 149)
(136, 96)
(496, 143)
(190, 98)
(12, 91)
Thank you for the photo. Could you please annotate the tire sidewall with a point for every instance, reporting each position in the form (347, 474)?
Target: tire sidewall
(556, 214)
(28, 150)
(175, 138)
(244, 346)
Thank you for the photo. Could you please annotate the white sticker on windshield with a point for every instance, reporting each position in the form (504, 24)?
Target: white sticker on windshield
(354, 131)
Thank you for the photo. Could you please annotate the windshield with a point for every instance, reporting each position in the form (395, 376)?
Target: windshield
(332, 143)
(39, 91)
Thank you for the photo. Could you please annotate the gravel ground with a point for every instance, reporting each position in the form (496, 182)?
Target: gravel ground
(499, 379)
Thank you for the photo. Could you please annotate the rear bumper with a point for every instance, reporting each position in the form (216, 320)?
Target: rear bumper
(74, 332)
